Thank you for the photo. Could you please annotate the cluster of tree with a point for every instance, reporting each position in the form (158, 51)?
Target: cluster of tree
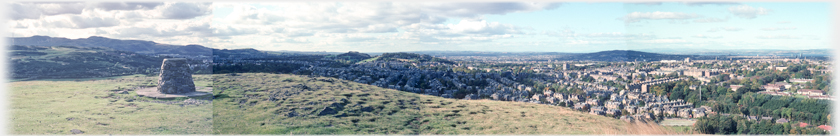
(723, 124)
(256, 68)
(745, 101)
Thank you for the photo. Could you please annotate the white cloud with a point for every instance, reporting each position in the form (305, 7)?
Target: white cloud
(748, 12)
(778, 37)
(731, 29)
(183, 10)
(646, 3)
(706, 36)
(710, 3)
(778, 28)
(783, 22)
(662, 41)
(21, 11)
(711, 20)
(127, 5)
(638, 16)
(482, 28)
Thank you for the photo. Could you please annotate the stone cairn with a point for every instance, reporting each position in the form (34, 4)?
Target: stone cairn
(175, 77)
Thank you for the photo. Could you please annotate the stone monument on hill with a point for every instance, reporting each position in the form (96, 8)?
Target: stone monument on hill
(175, 81)
(175, 77)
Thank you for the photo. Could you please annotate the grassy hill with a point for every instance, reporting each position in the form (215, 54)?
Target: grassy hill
(98, 106)
(351, 56)
(625, 55)
(138, 46)
(39, 62)
(407, 57)
(260, 103)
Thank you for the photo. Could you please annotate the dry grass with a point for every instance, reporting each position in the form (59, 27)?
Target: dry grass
(648, 129)
(57, 106)
(246, 109)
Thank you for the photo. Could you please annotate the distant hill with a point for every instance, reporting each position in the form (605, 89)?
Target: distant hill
(484, 53)
(625, 55)
(238, 52)
(740, 52)
(408, 57)
(138, 46)
(277, 104)
(349, 57)
(354, 55)
(39, 62)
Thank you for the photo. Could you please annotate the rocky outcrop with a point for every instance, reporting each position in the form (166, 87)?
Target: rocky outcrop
(327, 111)
(77, 131)
(175, 77)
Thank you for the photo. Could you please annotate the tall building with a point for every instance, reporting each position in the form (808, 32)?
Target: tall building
(687, 60)
(565, 66)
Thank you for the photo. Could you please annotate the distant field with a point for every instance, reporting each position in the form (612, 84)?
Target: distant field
(93, 105)
(258, 103)
(677, 122)
(681, 129)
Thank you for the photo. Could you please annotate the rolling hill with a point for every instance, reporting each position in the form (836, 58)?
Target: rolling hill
(39, 62)
(104, 106)
(261, 103)
(625, 55)
(138, 46)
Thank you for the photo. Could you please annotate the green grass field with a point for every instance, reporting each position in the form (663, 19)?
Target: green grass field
(681, 129)
(259, 103)
(94, 106)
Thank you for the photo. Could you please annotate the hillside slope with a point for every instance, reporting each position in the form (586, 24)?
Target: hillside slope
(260, 103)
(38, 62)
(138, 46)
(104, 106)
(625, 55)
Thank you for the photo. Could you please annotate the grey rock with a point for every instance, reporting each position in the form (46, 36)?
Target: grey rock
(292, 114)
(341, 115)
(367, 109)
(77, 131)
(337, 106)
(327, 111)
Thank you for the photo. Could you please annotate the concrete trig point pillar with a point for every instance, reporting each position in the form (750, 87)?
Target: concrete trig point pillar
(175, 77)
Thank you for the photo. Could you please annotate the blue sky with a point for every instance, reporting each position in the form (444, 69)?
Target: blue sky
(392, 27)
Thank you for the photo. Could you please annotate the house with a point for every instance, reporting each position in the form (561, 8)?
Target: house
(752, 118)
(773, 87)
(778, 68)
(787, 85)
(825, 128)
(802, 124)
(799, 80)
(735, 87)
(782, 121)
(614, 112)
(809, 92)
(766, 118)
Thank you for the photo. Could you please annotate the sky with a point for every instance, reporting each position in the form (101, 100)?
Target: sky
(439, 26)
